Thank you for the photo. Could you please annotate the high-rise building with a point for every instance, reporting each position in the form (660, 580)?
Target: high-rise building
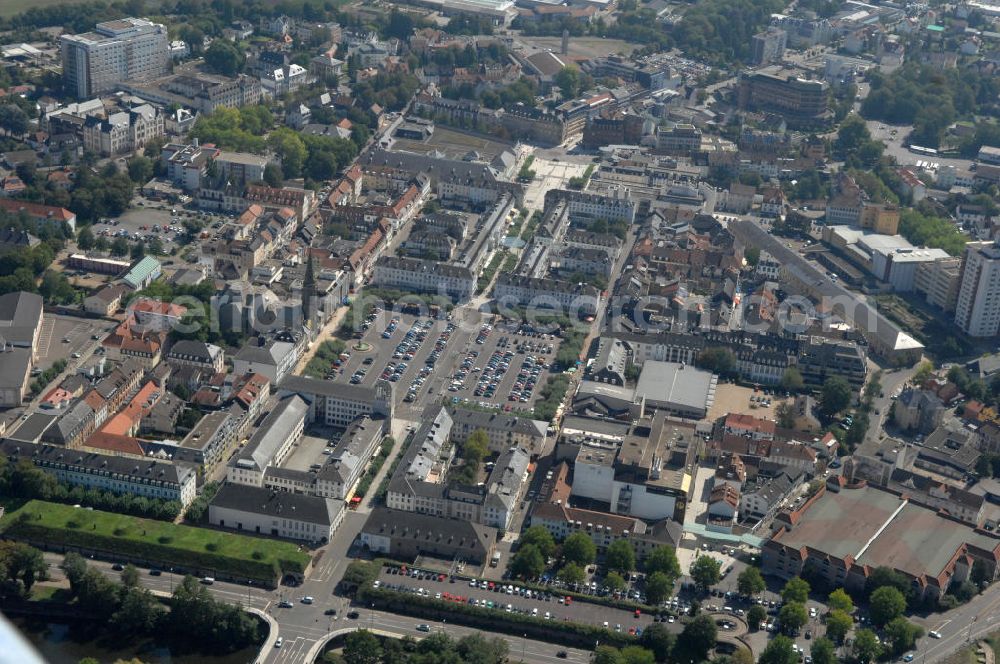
(769, 45)
(977, 311)
(128, 49)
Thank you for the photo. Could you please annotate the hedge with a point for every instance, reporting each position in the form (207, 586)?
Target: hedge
(517, 624)
(155, 541)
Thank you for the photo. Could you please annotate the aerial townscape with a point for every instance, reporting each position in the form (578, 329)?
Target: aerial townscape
(489, 331)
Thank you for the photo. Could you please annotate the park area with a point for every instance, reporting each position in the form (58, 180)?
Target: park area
(200, 551)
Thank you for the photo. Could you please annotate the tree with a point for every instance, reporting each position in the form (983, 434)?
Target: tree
(902, 634)
(659, 640)
(571, 573)
(568, 80)
(793, 616)
(139, 613)
(476, 447)
(540, 537)
(663, 559)
(697, 638)
(835, 396)
(838, 625)
(796, 590)
(980, 574)
(291, 150)
(717, 360)
(658, 587)
(706, 571)
(785, 415)
(130, 576)
(85, 239)
(866, 646)
(607, 655)
(779, 651)
(528, 563)
(756, 615)
(752, 254)
(792, 380)
(823, 651)
(886, 576)
(119, 247)
(273, 175)
(477, 649)
(620, 556)
(636, 655)
(13, 120)
(579, 549)
(750, 582)
(74, 566)
(614, 581)
(885, 604)
(923, 373)
(400, 25)
(140, 169)
(223, 57)
(362, 647)
(840, 600)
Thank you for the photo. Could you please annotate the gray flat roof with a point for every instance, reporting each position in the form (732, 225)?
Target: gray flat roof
(673, 383)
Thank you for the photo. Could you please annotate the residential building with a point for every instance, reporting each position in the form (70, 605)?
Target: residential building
(918, 411)
(148, 478)
(273, 358)
(124, 132)
(551, 293)
(210, 441)
(769, 46)
(49, 216)
(271, 442)
(504, 430)
(21, 318)
(105, 301)
(197, 354)
(939, 281)
(977, 311)
(129, 49)
(422, 276)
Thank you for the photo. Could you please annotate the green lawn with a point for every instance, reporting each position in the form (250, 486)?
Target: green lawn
(200, 549)
(11, 7)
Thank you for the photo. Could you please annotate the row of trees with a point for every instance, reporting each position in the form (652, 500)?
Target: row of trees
(194, 616)
(22, 480)
(363, 647)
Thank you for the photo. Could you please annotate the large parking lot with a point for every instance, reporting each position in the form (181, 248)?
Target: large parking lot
(68, 338)
(509, 598)
(504, 365)
(410, 351)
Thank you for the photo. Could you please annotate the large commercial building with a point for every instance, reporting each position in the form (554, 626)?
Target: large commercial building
(405, 535)
(129, 49)
(801, 102)
(977, 311)
(277, 513)
(337, 404)
(641, 473)
(846, 531)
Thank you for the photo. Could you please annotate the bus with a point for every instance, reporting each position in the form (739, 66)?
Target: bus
(929, 152)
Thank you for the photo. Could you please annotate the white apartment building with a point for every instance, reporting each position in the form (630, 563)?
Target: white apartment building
(939, 282)
(129, 49)
(118, 474)
(977, 311)
(420, 276)
(270, 443)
